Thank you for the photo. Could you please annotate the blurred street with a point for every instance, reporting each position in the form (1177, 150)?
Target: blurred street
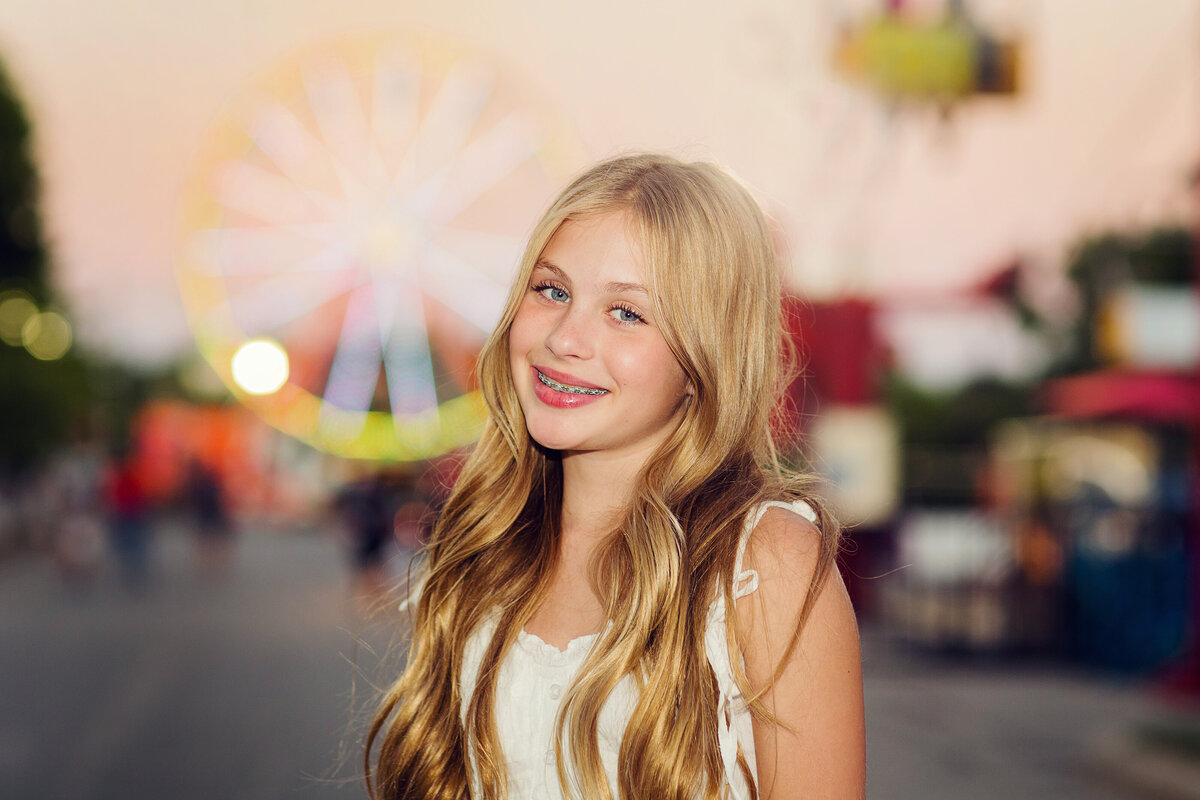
(937, 729)
(240, 687)
(232, 687)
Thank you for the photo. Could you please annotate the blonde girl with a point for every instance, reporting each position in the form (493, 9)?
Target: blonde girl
(625, 595)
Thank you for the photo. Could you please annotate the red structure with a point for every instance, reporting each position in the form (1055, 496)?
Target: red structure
(839, 351)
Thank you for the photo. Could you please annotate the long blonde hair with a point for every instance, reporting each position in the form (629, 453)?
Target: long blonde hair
(714, 283)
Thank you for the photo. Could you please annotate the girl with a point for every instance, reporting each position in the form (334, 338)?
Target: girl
(621, 599)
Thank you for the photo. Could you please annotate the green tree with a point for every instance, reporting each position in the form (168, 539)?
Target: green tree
(944, 435)
(39, 400)
(23, 256)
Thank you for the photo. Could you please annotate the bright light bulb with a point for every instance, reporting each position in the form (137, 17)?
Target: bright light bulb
(260, 366)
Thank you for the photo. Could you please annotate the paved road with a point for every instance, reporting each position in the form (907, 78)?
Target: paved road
(243, 689)
(217, 690)
(940, 729)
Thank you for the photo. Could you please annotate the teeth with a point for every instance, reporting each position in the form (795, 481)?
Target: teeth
(562, 387)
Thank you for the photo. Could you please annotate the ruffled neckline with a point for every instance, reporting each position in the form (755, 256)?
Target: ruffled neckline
(550, 655)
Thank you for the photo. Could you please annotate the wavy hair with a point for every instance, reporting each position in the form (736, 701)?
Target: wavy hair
(714, 285)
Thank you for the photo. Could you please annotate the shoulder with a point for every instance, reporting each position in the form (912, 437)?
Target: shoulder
(784, 545)
(793, 558)
(799, 589)
(799, 640)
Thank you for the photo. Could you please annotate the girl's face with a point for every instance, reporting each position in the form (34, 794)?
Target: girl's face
(591, 367)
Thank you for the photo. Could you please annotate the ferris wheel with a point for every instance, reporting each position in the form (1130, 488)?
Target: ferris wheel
(352, 230)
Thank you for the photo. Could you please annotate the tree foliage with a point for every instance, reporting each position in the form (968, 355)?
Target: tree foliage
(23, 257)
(40, 401)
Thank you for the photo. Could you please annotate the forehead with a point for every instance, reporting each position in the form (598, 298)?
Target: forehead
(601, 248)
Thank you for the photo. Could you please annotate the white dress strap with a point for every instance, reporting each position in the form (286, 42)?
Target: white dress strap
(416, 584)
(746, 580)
(730, 705)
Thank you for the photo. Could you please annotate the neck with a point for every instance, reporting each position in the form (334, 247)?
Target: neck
(597, 488)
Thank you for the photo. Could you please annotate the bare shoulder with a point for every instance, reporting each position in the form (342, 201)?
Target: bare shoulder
(811, 683)
(787, 551)
(784, 545)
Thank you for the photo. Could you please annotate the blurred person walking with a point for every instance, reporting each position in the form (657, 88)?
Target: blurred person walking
(78, 538)
(367, 509)
(206, 503)
(127, 505)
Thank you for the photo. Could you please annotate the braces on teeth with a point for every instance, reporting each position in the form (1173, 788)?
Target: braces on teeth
(562, 387)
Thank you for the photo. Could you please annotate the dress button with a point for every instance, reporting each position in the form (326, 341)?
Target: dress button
(550, 757)
(555, 691)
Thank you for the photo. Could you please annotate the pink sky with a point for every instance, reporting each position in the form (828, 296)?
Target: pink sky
(124, 95)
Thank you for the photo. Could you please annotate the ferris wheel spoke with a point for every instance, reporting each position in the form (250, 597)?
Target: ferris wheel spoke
(291, 146)
(500, 251)
(341, 121)
(267, 251)
(272, 199)
(269, 305)
(484, 162)
(355, 368)
(396, 93)
(456, 284)
(496, 255)
(455, 109)
(408, 367)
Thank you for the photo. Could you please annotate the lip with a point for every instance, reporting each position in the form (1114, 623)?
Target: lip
(562, 399)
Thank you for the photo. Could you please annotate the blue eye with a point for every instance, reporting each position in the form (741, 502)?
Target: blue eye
(553, 293)
(625, 315)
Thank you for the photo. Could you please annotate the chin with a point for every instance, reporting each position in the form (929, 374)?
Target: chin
(553, 440)
(543, 435)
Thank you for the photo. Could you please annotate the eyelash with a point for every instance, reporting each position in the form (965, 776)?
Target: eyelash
(638, 319)
(539, 288)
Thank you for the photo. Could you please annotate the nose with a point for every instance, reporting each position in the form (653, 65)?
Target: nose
(571, 336)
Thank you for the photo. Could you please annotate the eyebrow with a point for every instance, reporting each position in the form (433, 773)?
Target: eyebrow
(617, 287)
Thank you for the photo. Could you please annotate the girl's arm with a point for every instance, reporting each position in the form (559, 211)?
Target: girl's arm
(819, 749)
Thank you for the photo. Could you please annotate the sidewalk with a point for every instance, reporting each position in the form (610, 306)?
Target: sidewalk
(1157, 760)
(943, 727)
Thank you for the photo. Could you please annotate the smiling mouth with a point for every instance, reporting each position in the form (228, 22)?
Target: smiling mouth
(562, 387)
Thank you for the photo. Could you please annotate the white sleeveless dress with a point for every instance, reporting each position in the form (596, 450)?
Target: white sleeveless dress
(535, 675)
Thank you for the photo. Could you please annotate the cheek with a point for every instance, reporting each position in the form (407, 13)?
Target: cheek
(652, 367)
(520, 333)
(628, 367)
(670, 374)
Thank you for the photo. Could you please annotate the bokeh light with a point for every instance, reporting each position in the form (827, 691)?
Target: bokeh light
(16, 307)
(47, 336)
(260, 366)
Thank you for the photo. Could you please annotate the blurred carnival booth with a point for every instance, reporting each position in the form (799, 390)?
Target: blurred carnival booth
(1049, 512)
(1099, 511)
(1079, 534)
